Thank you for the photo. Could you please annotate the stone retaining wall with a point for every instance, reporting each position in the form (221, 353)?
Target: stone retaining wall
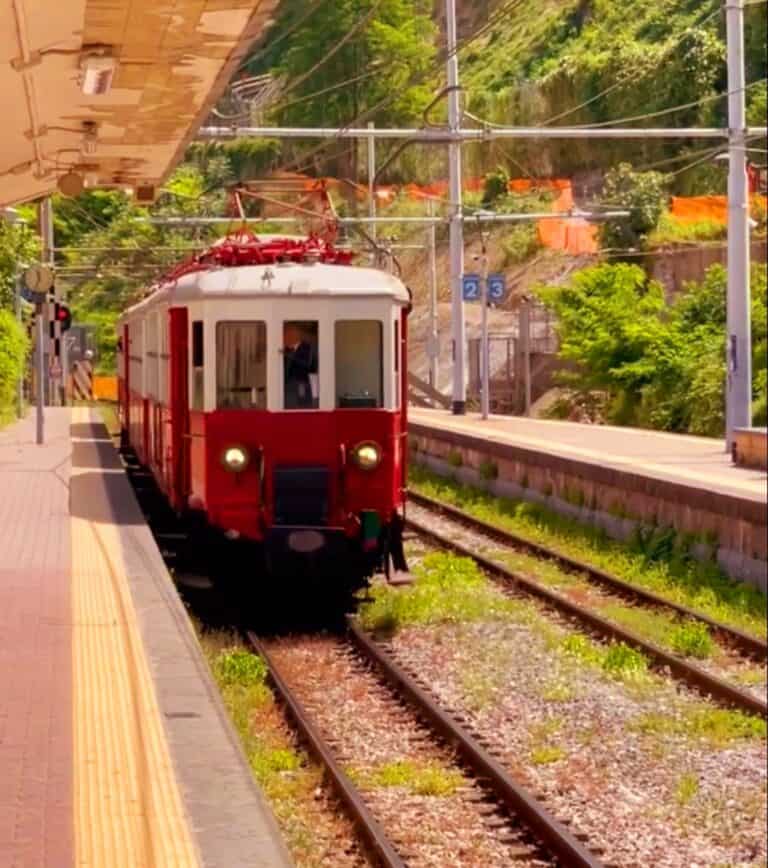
(713, 525)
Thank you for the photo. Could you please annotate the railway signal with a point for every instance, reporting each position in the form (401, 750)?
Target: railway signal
(63, 316)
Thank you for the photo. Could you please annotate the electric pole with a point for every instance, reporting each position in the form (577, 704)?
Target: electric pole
(433, 341)
(739, 347)
(455, 225)
(371, 187)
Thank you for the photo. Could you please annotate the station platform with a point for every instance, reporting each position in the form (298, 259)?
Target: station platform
(115, 748)
(612, 476)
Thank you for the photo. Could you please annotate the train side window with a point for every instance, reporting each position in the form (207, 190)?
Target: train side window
(301, 375)
(241, 365)
(198, 366)
(359, 364)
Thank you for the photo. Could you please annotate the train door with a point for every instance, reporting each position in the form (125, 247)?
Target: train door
(179, 406)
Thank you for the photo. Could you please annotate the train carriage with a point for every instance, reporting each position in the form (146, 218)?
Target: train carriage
(265, 387)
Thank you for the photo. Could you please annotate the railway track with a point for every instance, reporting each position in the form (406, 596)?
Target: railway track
(679, 667)
(745, 643)
(519, 827)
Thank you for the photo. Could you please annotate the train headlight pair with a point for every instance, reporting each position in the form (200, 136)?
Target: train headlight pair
(367, 455)
(235, 458)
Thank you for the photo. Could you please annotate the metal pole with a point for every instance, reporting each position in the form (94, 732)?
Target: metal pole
(739, 347)
(433, 344)
(40, 385)
(456, 228)
(483, 134)
(371, 188)
(47, 257)
(485, 389)
(20, 382)
(525, 348)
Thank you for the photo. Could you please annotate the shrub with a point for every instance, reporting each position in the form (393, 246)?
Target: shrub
(692, 639)
(13, 353)
(643, 194)
(239, 667)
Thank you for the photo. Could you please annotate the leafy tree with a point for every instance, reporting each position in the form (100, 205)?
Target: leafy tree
(657, 366)
(225, 163)
(131, 253)
(643, 194)
(495, 186)
(397, 43)
(18, 246)
(13, 351)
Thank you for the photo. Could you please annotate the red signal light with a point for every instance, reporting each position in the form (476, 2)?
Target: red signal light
(63, 316)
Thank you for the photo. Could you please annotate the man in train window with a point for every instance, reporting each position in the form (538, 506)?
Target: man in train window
(298, 365)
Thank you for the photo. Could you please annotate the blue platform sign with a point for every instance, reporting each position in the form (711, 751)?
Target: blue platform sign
(497, 287)
(470, 287)
(32, 297)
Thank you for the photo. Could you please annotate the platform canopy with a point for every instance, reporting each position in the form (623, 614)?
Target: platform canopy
(112, 89)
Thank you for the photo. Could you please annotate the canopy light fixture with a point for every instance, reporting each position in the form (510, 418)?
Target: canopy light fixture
(98, 70)
(90, 137)
(71, 184)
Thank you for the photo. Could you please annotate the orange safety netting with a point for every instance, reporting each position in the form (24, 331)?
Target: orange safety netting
(574, 236)
(697, 209)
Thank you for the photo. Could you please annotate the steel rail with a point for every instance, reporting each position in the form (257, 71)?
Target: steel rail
(693, 675)
(553, 834)
(368, 827)
(751, 645)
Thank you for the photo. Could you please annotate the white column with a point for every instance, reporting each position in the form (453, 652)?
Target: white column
(456, 229)
(739, 346)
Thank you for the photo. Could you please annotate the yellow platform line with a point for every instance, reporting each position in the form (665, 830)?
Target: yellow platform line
(128, 808)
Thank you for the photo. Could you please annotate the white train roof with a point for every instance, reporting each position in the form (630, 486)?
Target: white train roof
(286, 280)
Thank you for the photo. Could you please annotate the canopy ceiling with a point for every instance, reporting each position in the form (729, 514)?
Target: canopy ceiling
(173, 59)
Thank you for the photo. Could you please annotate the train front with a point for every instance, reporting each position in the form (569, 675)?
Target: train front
(304, 451)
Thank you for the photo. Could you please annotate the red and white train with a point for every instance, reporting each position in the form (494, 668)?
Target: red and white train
(264, 385)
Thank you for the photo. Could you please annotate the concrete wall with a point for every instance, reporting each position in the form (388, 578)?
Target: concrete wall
(752, 448)
(714, 525)
(679, 265)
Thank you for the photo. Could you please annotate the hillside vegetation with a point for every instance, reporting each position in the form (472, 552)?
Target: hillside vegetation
(523, 62)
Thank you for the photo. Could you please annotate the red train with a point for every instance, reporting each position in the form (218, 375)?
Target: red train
(264, 385)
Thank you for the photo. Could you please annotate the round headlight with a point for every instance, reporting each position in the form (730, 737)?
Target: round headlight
(235, 458)
(367, 456)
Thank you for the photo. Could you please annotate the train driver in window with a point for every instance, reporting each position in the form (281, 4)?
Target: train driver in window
(298, 364)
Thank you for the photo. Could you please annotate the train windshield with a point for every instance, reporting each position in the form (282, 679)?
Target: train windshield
(241, 365)
(301, 384)
(359, 364)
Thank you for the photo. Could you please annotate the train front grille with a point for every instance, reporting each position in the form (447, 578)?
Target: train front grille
(301, 496)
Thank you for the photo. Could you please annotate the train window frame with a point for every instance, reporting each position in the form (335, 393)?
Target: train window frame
(363, 400)
(197, 356)
(259, 391)
(313, 395)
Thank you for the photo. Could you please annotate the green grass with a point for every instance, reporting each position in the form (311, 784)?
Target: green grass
(717, 726)
(545, 754)
(418, 778)
(447, 589)
(671, 231)
(289, 781)
(689, 638)
(237, 667)
(667, 570)
(616, 660)
(686, 789)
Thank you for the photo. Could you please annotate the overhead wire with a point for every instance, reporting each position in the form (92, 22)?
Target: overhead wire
(416, 78)
(648, 115)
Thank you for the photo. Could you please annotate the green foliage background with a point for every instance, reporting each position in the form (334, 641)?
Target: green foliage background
(654, 365)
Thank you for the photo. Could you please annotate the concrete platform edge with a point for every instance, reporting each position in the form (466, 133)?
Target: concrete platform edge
(232, 822)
